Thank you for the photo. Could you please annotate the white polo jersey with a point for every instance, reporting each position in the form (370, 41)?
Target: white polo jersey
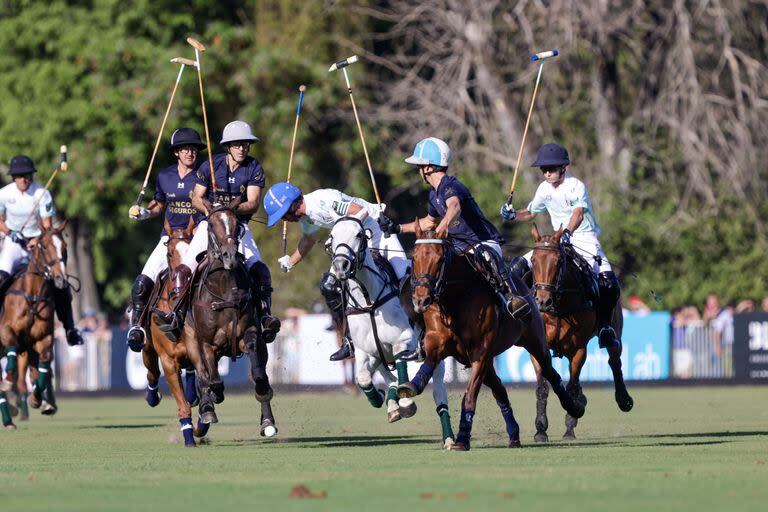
(561, 201)
(326, 205)
(17, 205)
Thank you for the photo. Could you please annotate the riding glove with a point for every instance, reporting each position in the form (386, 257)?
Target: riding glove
(285, 263)
(139, 213)
(388, 226)
(508, 212)
(17, 237)
(566, 236)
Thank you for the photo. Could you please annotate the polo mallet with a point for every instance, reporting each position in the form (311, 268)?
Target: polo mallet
(541, 57)
(342, 65)
(63, 167)
(184, 62)
(302, 88)
(199, 48)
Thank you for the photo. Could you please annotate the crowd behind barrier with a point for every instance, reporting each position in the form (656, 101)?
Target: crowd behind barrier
(659, 345)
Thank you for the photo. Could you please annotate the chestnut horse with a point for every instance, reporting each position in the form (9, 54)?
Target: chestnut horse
(463, 320)
(26, 322)
(222, 320)
(569, 309)
(173, 356)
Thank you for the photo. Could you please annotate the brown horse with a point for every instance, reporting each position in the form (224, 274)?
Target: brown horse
(568, 307)
(223, 321)
(26, 322)
(463, 320)
(173, 356)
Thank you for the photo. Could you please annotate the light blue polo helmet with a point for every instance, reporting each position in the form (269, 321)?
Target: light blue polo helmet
(430, 151)
(278, 200)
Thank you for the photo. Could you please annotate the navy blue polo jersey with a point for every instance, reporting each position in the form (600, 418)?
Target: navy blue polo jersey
(231, 185)
(471, 227)
(176, 193)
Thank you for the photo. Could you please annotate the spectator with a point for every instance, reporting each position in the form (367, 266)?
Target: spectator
(745, 306)
(636, 305)
(88, 323)
(722, 330)
(711, 308)
(764, 305)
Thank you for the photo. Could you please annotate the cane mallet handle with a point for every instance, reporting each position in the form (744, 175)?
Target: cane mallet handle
(197, 45)
(541, 57)
(63, 167)
(178, 60)
(302, 88)
(199, 48)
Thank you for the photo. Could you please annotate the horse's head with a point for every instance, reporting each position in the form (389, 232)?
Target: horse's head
(49, 254)
(178, 243)
(347, 245)
(224, 234)
(545, 265)
(431, 256)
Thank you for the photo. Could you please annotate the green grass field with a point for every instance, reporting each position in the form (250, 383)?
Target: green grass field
(679, 449)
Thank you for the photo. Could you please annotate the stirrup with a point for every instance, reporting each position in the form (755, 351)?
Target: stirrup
(136, 346)
(74, 337)
(270, 326)
(418, 355)
(607, 338)
(522, 312)
(345, 352)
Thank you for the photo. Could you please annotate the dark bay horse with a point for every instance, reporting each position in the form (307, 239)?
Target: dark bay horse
(463, 320)
(568, 307)
(26, 322)
(172, 355)
(223, 321)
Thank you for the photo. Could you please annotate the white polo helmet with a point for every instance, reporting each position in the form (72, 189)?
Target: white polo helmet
(430, 151)
(238, 130)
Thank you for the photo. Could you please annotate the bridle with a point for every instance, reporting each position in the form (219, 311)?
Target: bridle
(47, 265)
(214, 247)
(356, 258)
(434, 286)
(556, 289)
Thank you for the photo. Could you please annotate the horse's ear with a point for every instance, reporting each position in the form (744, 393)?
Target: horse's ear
(167, 226)
(62, 226)
(235, 203)
(557, 234)
(535, 232)
(419, 231)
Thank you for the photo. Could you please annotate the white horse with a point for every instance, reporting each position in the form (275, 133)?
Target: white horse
(378, 326)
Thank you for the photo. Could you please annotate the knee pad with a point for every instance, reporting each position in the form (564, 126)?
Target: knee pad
(141, 289)
(329, 288)
(519, 267)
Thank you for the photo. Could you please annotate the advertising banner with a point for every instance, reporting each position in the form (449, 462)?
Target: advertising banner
(750, 345)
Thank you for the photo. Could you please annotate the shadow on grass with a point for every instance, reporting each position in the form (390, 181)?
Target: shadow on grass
(337, 441)
(610, 444)
(137, 425)
(746, 433)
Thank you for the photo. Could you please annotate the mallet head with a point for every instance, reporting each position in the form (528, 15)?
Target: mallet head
(343, 63)
(186, 62)
(544, 55)
(196, 44)
(63, 150)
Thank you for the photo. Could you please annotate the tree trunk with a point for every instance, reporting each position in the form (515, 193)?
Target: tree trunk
(80, 264)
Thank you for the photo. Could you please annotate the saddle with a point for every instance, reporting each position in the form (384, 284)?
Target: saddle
(386, 267)
(587, 276)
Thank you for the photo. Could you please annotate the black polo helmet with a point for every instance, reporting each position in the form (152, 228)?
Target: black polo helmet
(550, 155)
(21, 165)
(186, 137)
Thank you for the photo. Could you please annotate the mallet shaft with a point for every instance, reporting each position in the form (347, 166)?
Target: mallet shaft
(205, 118)
(63, 166)
(159, 137)
(525, 133)
(290, 159)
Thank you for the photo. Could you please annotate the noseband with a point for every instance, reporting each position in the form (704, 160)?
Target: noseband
(46, 265)
(434, 285)
(213, 244)
(555, 289)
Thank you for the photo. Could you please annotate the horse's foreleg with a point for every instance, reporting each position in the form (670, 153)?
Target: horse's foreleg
(172, 376)
(622, 396)
(433, 344)
(440, 395)
(149, 356)
(574, 389)
(259, 356)
(542, 393)
(21, 387)
(537, 347)
(365, 368)
(10, 343)
(469, 402)
(190, 386)
(43, 388)
(493, 381)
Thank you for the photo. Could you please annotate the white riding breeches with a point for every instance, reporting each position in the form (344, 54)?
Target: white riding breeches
(390, 248)
(10, 254)
(158, 259)
(199, 243)
(588, 246)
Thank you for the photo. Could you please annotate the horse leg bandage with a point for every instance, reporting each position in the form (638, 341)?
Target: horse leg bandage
(11, 363)
(513, 429)
(421, 379)
(43, 377)
(187, 430)
(373, 395)
(402, 372)
(465, 426)
(445, 421)
(4, 411)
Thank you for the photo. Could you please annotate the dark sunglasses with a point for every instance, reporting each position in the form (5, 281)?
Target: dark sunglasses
(546, 170)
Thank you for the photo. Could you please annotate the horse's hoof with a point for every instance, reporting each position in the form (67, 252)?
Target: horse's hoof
(48, 409)
(192, 444)
(10, 427)
(541, 437)
(13, 410)
(268, 428)
(624, 402)
(34, 401)
(569, 436)
(514, 443)
(153, 397)
(448, 442)
(394, 415)
(406, 390)
(459, 447)
(583, 400)
(209, 417)
(201, 429)
(407, 410)
(577, 411)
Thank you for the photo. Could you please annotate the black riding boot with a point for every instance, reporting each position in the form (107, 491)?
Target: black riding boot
(172, 323)
(520, 268)
(329, 288)
(498, 276)
(261, 286)
(610, 290)
(140, 292)
(62, 299)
